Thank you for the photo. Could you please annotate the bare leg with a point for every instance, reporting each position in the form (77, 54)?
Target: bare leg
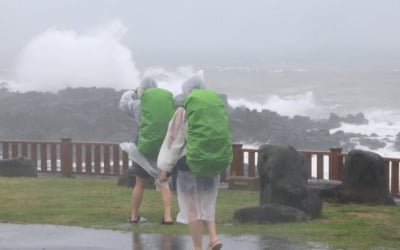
(137, 195)
(196, 231)
(212, 231)
(166, 199)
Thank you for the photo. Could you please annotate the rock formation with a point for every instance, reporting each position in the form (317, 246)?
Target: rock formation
(364, 179)
(92, 114)
(283, 188)
(18, 167)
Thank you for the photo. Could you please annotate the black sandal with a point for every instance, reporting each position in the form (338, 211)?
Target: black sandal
(134, 221)
(163, 222)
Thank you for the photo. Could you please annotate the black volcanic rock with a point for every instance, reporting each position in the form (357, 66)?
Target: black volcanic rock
(92, 114)
(372, 143)
(355, 119)
(84, 114)
(334, 120)
(269, 213)
(397, 142)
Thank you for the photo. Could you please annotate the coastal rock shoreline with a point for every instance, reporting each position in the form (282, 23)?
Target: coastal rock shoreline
(92, 114)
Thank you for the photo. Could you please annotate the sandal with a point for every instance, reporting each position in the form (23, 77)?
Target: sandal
(138, 220)
(216, 245)
(163, 222)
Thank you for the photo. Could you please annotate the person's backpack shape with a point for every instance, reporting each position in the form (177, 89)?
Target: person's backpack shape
(209, 145)
(157, 109)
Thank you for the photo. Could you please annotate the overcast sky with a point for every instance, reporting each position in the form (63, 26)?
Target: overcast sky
(302, 33)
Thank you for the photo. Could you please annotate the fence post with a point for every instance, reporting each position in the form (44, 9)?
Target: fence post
(395, 179)
(66, 157)
(5, 154)
(334, 165)
(237, 162)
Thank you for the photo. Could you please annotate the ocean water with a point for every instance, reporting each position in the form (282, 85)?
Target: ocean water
(317, 94)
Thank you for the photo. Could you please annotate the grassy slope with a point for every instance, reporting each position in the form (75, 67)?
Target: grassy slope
(102, 204)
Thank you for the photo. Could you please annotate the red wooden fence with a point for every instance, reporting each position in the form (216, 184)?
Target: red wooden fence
(70, 158)
(107, 159)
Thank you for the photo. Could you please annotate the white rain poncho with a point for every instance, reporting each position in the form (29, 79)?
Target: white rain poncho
(150, 165)
(196, 195)
(130, 100)
(130, 105)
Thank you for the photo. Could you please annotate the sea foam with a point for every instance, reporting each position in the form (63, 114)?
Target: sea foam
(303, 104)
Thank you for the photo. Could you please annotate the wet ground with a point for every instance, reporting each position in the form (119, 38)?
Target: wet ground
(50, 237)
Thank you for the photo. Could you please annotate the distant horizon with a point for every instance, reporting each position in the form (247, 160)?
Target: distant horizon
(7, 72)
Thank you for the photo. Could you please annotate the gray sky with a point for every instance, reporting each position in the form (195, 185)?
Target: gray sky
(298, 33)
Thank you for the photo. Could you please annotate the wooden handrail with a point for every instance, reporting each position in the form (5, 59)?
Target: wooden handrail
(68, 158)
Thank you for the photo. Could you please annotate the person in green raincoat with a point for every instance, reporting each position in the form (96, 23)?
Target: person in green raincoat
(151, 108)
(198, 143)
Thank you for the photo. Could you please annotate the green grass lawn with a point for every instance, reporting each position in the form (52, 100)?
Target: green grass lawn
(98, 203)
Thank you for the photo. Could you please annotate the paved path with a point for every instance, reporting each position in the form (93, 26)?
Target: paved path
(50, 237)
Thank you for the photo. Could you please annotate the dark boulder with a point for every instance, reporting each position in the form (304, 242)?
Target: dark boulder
(397, 142)
(358, 118)
(333, 121)
(18, 167)
(327, 190)
(283, 184)
(283, 175)
(269, 213)
(364, 179)
(312, 205)
(372, 143)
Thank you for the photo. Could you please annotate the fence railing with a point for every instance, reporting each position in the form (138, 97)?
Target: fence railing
(68, 158)
(107, 159)
(321, 165)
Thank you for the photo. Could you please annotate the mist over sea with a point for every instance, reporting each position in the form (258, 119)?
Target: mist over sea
(56, 59)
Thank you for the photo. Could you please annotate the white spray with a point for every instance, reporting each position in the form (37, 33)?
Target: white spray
(56, 59)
